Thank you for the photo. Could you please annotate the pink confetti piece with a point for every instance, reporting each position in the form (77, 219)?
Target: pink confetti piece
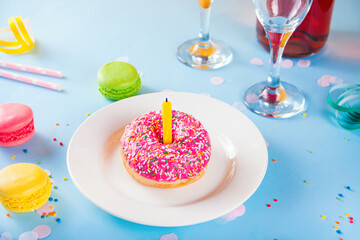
(252, 98)
(46, 208)
(239, 106)
(170, 236)
(30, 235)
(335, 80)
(323, 81)
(217, 80)
(5, 236)
(304, 63)
(123, 59)
(287, 63)
(257, 61)
(239, 211)
(42, 231)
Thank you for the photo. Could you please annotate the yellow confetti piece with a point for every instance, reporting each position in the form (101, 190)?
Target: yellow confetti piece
(13, 157)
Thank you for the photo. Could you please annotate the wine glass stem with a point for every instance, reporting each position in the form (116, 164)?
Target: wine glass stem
(277, 44)
(204, 37)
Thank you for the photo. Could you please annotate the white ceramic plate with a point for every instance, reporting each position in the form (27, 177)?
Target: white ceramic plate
(237, 166)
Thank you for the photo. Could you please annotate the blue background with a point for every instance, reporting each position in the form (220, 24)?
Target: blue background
(77, 37)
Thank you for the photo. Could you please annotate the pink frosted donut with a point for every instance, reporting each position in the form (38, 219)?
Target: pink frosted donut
(176, 164)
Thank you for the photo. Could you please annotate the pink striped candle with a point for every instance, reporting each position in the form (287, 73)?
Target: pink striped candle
(30, 80)
(32, 69)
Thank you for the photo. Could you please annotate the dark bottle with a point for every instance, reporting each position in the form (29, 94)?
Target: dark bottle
(310, 36)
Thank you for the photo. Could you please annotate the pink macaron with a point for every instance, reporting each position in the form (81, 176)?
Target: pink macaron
(16, 124)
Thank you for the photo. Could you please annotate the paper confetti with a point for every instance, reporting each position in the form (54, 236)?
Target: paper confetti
(46, 208)
(252, 98)
(42, 231)
(5, 236)
(325, 80)
(239, 106)
(257, 61)
(239, 211)
(304, 63)
(30, 235)
(287, 63)
(217, 80)
(170, 236)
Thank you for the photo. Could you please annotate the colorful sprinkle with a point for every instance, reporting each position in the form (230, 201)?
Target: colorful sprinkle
(323, 217)
(287, 63)
(347, 215)
(42, 216)
(46, 208)
(340, 195)
(304, 114)
(88, 114)
(55, 187)
(57, 124)
(341, 217)
(56, 200)
(336, 227)
(337, 222)
(309, 151)
(268, 205)
(346, 139)
(38, 162)
(274, 160)
(306, 181)
(338, 198)
(170, 236)
(257, 61)
(304, 63)
(13, 157)
(217, 80)
(275, 200)
(348, 187)
(351, 218)
(50, 199)
(25, 150)
(58, 220)
(65, 178)
(61, 144)
(42, 231)
(351, 222)
(67, 124)
(338, 232)
(8, 214)
(54, 139)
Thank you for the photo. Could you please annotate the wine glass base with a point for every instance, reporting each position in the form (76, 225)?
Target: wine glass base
(292, 104)
(220, 55)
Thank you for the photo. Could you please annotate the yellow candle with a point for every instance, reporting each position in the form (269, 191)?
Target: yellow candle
(205, 3)
(167, 122)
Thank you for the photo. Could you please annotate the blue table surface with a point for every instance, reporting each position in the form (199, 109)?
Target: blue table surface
(77, 37)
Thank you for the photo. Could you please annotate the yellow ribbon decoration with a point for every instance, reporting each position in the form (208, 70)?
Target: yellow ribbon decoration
(23, 42)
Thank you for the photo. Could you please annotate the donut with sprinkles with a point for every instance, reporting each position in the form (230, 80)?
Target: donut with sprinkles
(153, 163)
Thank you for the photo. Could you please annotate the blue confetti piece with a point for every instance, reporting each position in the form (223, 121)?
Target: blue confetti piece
(338, 232)
(340, 195)
(25, 150)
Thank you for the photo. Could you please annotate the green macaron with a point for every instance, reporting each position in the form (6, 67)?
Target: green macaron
(118, 80)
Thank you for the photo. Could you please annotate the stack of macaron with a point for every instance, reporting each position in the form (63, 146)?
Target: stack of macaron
(16, 124)
(118, 80)
(24, 187)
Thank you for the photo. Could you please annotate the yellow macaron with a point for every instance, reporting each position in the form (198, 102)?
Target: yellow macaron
(24, 187)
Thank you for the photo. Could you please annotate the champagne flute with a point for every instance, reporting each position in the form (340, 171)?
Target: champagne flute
(203, 52)
(273, 98)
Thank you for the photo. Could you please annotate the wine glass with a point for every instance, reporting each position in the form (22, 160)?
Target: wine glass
(273, 98)
(203, 52)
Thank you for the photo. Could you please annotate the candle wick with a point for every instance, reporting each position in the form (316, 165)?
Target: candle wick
(166, 99)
